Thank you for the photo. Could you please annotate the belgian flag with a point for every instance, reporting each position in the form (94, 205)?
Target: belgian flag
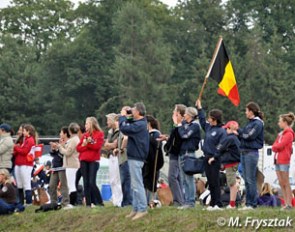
(222, 71)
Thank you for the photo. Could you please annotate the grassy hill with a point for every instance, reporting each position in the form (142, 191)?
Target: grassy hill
(163, 219)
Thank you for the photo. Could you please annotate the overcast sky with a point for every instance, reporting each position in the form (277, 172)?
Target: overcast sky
(4, 3)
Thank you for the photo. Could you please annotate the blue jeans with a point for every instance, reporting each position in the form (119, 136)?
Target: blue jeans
(5, 208)
(139, 201)
(249, 161)
(175, 182)
(126, 184)
(188, 183)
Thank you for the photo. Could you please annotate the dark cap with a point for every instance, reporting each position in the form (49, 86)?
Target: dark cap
(5, 127)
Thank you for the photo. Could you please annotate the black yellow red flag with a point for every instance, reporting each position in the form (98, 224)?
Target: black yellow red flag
(222, 71)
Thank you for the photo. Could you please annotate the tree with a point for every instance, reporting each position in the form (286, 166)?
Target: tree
(142, 63)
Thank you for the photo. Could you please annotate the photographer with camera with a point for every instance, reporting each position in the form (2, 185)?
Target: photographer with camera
(89, 149)
(134, 125)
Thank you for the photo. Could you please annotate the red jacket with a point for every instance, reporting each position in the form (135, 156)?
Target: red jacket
(21, 151)
(283, 146)
(91, 152)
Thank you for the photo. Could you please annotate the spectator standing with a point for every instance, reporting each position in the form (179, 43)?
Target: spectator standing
(172, 147)
(228, 150)
(190, 134)
(214, 133)
(71, 160)
(89, 148)
(252, 139)
(283, 151)
(24, 166)
(110, 145)
(6, 147)
(137, 152)
(58, 175)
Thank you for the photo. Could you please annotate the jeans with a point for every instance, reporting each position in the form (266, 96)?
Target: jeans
(175, 182)
(249, 161)
(212, 173)
(139, 201)
(188, 183)
(91, 191)
(126, 184)
(5, 208)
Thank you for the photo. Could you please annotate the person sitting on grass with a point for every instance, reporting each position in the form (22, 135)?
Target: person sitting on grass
(7, 193)
(266, 197)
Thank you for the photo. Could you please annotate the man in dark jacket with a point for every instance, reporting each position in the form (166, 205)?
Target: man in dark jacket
(172, 147)
(137, 151)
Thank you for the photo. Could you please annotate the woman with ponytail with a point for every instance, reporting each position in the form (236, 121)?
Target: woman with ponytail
(283, 151)
(252, 139)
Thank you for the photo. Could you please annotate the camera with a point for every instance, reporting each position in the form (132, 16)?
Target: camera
(129, 111)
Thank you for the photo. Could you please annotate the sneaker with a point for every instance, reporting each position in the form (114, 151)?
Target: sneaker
(139, 215)
(185, 207)
(230, 207)
(131, 215)
(246, 208)
(69, 206)
(215, 208)
(288, 207)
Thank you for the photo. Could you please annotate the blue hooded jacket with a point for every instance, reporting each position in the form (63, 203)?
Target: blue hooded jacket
(229, 149)
(138, 137)
(252, 135)
(190, 136)
(213, 135)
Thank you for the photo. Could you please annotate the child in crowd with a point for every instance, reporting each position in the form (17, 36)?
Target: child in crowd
(229, 152)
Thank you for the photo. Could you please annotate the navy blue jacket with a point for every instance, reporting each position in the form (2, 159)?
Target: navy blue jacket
(229, 149)
(213, 135)
(138, 137)
(190, 135)
(252, 135)
(172, 147)
(57, 161)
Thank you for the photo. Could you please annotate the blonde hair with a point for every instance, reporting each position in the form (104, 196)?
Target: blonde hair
(6, 175)
(266, 189)
(94, 125)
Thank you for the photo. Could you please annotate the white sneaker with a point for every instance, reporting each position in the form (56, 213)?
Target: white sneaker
(246, 208)
(185, 207)
(69, 206)
(215, 208)
(230, 207)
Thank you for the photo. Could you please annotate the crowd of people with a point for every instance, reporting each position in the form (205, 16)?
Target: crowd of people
(134, 145)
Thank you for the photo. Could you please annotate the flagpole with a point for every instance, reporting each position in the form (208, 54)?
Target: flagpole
(210, 67)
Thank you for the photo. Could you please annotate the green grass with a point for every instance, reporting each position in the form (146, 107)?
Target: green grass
(113, 219)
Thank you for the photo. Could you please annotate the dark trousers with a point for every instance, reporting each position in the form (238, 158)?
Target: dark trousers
(212, 173)
(126, 184)
(89, 172)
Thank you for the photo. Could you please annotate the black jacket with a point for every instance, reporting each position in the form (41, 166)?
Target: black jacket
(57, 161)
(229, 149)
(172, 147)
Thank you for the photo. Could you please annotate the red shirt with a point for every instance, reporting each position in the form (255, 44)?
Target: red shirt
(21, 151)
(283, 146)
(91, 152)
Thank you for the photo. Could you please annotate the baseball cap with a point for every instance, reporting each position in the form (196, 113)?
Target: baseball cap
(230, 124)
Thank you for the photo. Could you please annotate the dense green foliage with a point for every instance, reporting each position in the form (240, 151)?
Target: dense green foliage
(60, 64)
